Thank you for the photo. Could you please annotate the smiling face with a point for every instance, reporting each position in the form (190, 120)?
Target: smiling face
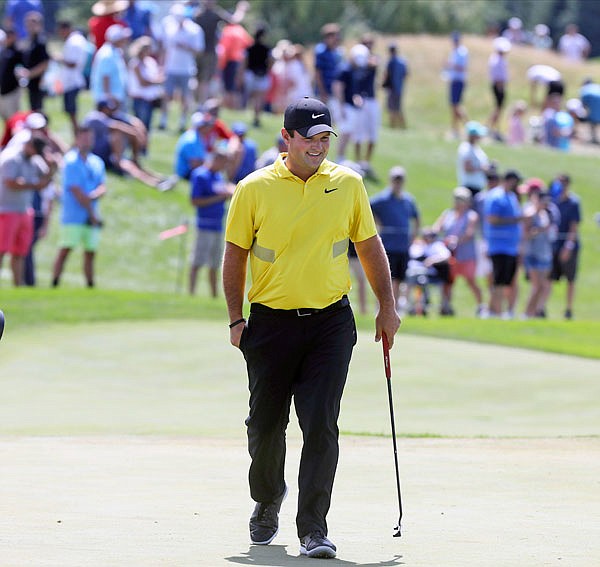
(305, 155)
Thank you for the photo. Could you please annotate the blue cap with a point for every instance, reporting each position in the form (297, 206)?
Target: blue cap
(239, 128)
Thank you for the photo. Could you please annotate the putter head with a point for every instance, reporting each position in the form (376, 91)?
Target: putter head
(397, 530)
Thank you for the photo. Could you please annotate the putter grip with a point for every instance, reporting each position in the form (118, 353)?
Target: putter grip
(386, 356)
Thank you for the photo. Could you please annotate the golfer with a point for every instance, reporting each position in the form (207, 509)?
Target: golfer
(294, 219)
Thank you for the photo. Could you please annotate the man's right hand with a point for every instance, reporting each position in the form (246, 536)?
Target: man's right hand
(235, 334)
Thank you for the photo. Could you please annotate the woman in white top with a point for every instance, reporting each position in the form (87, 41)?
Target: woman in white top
(145, 80)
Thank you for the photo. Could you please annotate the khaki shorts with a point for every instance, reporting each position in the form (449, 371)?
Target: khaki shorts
(10, 104)
(208, 250)
(74, 235)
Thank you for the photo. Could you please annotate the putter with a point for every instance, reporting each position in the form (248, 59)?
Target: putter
(1, 323)
(388, 375)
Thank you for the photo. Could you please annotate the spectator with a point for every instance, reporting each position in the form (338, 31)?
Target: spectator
(457, 226)
(22, 171)
(209, 191)
(456, 71)
(182, 42)
(398, 221)
(257, 64)
(73, 60)
(396, 73)
(270, 155)
(574, 46)
(537, 232)
(297, 76)
(35, 59)
(106, 13)
(541, 37)
(145, 84)
(112, 134)
(516, 124)
(429, 263)
(359, 112)
(277, 95)
(565, 258)
(209, 18)
(328, 60)
(503, 218)
(15, 12)
(367, 117)
(547, 76)
(109, 70)
(138, 19)
(244, 152)
(514, 32)
(10, 93)
(84, 184)
(232, 49)
(590, 98)
(558, 125)
(472, 162)
(219, 130)
(498, 74)
(190, 150)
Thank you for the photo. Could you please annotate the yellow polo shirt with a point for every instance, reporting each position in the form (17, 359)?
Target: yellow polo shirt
(298, 232)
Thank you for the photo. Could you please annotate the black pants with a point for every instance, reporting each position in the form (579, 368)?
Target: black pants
(307, 358)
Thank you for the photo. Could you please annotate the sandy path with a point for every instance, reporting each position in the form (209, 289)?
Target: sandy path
(146, 501)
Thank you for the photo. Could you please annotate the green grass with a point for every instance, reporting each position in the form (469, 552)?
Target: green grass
(176, 377)
(141, 277)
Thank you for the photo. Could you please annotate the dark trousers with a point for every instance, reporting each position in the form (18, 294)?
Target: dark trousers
(29, 266)
(305, 358)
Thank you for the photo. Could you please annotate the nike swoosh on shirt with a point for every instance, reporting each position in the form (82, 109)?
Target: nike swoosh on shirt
(315, 116)
(331, 190)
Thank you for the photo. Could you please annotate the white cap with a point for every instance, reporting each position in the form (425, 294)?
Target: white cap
(502, 45)
(200, 119)
(116, 33)
(35, 121)
(359, 55)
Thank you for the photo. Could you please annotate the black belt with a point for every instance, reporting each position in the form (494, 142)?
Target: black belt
(302, 311)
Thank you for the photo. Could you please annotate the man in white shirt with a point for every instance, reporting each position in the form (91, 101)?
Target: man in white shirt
(182, 41)
(573, 45)
(73, 60)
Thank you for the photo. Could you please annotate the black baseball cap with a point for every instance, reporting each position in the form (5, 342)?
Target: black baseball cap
(309, 117)
(513, 174)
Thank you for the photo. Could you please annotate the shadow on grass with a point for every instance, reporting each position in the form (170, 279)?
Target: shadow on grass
(277, 556)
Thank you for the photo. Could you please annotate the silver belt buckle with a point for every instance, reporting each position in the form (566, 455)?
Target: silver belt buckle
(302, 314)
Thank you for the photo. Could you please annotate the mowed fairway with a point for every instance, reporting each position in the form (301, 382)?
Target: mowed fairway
(123, 444)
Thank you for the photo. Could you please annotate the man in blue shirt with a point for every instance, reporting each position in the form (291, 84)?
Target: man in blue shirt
(190, 150)
(327, 61)
(244, 158)
(502, 231)
(398, 221)
(84, 181)
(395, 74)
(590, 98)
(209, 191)
(566, 246)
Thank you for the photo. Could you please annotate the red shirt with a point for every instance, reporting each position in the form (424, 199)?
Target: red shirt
(98, 26)
(13, 124)
(220, 131)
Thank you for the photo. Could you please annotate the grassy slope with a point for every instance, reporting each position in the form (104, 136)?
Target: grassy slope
(138, 273)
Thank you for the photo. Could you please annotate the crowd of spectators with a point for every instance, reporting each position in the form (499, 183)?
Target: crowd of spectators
(189, 59)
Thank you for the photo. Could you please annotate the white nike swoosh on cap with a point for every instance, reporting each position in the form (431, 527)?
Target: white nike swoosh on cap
(315, 116)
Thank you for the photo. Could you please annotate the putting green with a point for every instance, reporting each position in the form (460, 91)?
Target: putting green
(123, 444)
(148, 501)
(183, 378)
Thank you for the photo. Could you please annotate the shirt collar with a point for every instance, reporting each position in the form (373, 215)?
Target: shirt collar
(282, 170)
